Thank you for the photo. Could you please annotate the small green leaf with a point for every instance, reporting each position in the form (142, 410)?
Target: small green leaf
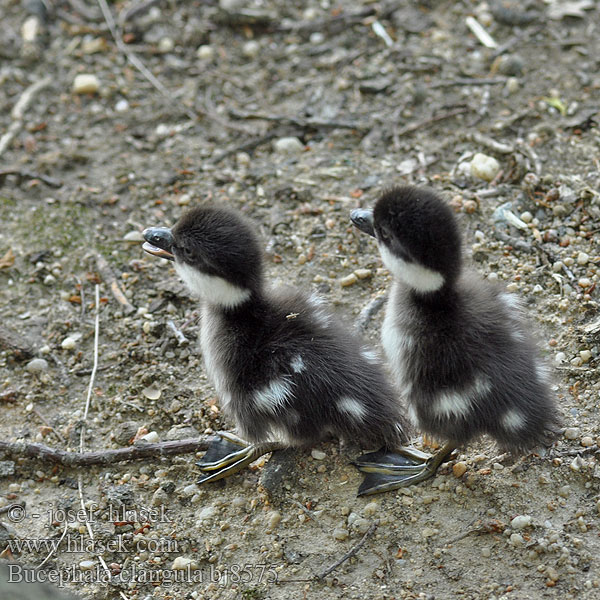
(556, 103)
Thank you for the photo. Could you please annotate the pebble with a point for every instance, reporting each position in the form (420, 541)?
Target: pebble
(486, 552)
(151, 393)
(363, 273)
(69, 343)
(520, 522)
(205, 52)
(348, 280)
(571, 433)
(87, 565)
(560, 357)
(585, 282)
(512, 85)
(583, 258)
(181, 563)
(37, 365)
(318, 454)
(288, 145)
(516, 539)
(165, 45)
(585, 355)
(207, 513)
(340, 534)
(151, 437)
(361, 525)
(370, 509)
(133, 236)
(587, 441)
(552, 574)
(459, 469)
(86, 83)
(273, 519)
(526, 217)
(251, 49)
(190, 490)
(122, 105)
(485, 167)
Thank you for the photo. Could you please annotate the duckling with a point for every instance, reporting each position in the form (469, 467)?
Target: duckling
(287, 372)
(459, 347)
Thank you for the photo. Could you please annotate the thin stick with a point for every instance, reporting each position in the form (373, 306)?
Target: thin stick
(178, 334)
(298, 122)
(18, 111)
(135, 61)
(109, 277)
(55, 548)
(350, 553)
(45, 453)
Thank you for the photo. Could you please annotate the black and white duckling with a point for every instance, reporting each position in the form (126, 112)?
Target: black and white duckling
(286, 371)
(458, 346)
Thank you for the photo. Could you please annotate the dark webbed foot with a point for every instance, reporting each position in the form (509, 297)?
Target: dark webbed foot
(386, 471)
(229, 454)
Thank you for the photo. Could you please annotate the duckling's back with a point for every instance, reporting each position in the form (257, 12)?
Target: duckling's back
(285, 367)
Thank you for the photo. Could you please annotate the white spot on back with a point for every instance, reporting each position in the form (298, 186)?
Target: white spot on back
(212, 289)
(513, 420)
(542, 372)
(370, 355)
(351, 407)
(511, 301)
(460, 402)
(412, 415)
(273, 396)
(414, 275)
(297, 364)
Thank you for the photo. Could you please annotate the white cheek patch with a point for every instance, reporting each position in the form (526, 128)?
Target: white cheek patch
(415, 276)
(513, 420)
(273, 397)
(212, 289)
(460, 403)
(352, 407)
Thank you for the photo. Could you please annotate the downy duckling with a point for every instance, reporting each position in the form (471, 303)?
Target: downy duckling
(458, 346)
(287, 372)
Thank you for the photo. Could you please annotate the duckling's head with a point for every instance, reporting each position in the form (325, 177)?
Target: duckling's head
(216, 254)
(417, 236)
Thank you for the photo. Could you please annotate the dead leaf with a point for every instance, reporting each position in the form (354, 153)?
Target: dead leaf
(569, 9)
(8, 260)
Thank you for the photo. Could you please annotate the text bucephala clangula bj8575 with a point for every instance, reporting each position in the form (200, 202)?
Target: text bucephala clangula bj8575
(286, 371)
(458, 346)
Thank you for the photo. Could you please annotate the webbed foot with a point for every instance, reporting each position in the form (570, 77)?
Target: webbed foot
(386, 471)
(229, 454)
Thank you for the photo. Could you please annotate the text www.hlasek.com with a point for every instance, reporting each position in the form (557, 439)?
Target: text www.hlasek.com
(81, 543)
(231, 574)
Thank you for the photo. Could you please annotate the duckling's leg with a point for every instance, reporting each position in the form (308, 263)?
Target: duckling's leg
(229, 454)
(385, 471)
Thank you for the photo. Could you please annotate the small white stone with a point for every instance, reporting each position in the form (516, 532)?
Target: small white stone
(486, 552)
(86, 83)
(49, 279)
(69, 343)
(370, 509)
(557, 267)
(205, 52)
(348, 280)
(207, 513)
(512, 85)
(37, 365)
(583, 258)
(87, 565)
(133, 236)
(587, 441)
(165, 45)
(288, 145)
(526, 217)
(181, 563)
(585, 355)
(273, 519)
(341, 534)
(572, 433)
(585, 282)
(151, 393)
(516, 539)
(122, 105)
(190, 490)
(361, 525)
(363, 273)
(520, 522)
(318, 454)
(251, 49)
(151, 437)
(560, 357)
(485, 167)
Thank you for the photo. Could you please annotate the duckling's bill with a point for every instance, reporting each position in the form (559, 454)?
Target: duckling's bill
(159, 242)
(362, 218)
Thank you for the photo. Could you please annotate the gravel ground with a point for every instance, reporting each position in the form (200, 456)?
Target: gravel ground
(294, 116)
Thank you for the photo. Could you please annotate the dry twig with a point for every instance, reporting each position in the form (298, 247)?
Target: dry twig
(350, 552)
(108, 276)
